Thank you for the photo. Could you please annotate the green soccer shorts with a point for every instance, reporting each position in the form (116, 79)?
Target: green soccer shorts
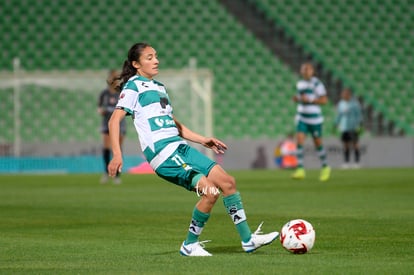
(315, 130)
(185, 167)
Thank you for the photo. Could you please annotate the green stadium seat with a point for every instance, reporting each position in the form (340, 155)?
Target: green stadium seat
(64, 38)
(362, 32)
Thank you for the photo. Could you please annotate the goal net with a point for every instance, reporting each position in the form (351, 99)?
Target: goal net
(59, 108)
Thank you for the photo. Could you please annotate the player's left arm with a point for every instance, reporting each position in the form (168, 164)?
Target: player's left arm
(322, 100)
(321, 95)
(210, 142)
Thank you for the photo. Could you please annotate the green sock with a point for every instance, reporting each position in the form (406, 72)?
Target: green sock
(322, 155)
(235, 209)
(299, 155)
(198, 220)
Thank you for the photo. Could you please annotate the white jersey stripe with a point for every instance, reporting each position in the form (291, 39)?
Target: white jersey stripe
(153, 115)
(313, 89)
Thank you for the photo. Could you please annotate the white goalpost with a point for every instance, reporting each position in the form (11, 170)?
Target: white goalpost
(190, 90)
(60, 106)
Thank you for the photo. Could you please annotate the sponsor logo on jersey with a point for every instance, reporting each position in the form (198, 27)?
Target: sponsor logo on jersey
(164, 122)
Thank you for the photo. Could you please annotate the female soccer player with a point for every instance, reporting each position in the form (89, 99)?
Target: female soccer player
(349, 121)
(107, 101)
(310, 95)
(162, 138)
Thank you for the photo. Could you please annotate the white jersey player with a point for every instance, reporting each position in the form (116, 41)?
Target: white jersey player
(162, 139)
(310, 94)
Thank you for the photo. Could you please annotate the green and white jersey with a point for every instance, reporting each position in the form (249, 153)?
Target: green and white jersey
(148, 103)
(307, 112)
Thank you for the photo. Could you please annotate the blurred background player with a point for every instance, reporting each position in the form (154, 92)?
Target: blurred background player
(349, 123)
(108, 99)
(310, 95)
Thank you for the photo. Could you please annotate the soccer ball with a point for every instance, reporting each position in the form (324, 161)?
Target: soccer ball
(297, 236)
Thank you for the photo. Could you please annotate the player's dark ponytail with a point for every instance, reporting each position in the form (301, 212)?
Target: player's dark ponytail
(128, 70)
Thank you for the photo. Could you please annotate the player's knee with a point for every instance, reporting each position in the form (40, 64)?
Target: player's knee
(229, 185)
(207, 190)
(210, 194)
(213, 195)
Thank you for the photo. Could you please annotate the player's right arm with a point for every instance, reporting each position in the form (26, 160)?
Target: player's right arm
(321, 94)
(116, 163)
(127, 100)
(296, 97)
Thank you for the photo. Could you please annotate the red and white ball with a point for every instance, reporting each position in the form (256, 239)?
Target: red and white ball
(297, 236)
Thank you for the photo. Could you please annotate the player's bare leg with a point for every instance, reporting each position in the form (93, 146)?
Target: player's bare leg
(300, 171)
(208, 194)
(325, 170)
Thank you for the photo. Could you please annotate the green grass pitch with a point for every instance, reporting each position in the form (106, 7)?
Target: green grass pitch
(71, 224)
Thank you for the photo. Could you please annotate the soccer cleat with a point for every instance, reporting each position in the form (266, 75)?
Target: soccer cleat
(258, 240)
(299, 174)
(194, 249)
(325, 173)
(117, 180)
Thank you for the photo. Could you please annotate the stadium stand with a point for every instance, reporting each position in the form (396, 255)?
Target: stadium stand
(252, 88)
(366, 44)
